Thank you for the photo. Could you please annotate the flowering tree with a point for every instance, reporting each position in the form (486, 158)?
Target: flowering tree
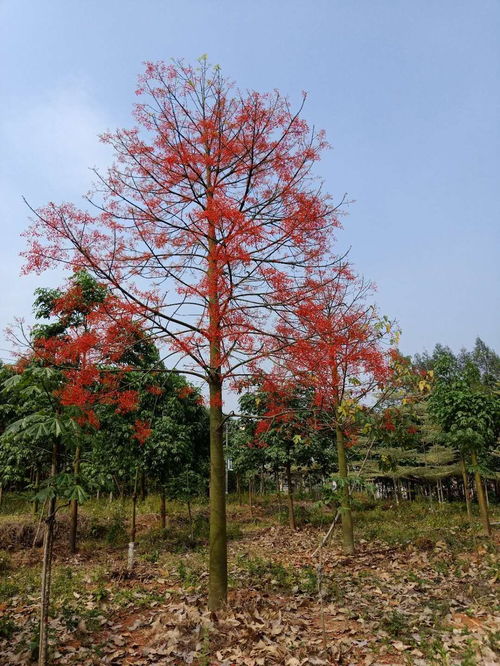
(208, 225)
(78, 360)
(339, 353)
(91, 336)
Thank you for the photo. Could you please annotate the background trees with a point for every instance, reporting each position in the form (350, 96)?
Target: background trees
(466, 406)
(339, 355)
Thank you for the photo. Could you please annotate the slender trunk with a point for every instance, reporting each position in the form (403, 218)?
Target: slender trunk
(466, 487)
(217, 565)
(36, 502)
(250, 504)
(74, 505)
(217, 593)
(396, 490)
(1, 493)
(48, 544)
(291, 511)
(278, 492)
(163, 509)
(190, 516)
(143, 486)
(346, 515)
(131, 544)
(238, 489)
(481, 498)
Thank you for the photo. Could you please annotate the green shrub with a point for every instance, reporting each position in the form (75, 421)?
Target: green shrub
(5, 561)
(8, 590)
(396, 624)
(234, 532)
(7, 627)
(116, 532)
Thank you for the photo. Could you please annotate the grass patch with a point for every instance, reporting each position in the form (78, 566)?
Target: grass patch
(261, 572)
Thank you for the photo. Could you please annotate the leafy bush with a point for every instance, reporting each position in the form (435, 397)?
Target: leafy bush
(5, 561)
(7, 627)
(8, 590)
(116, 532)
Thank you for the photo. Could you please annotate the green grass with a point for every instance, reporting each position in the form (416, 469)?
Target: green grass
(417, 522)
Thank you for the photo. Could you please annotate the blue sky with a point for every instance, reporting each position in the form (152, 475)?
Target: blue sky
(408, 92)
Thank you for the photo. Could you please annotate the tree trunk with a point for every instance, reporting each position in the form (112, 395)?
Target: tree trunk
(74, 505)
(346, 515)
(48, 544)
(217, 563)
(396, 490)
(438, 491)
(238, 489)
(291, 511)
(36, 503)
(278, 492)
(143, 486)
(1, 493)
(163, 509)
(217, 592)
(131, 544)
(190, 516)
(250, 488)
(481, 498)
(466, 487)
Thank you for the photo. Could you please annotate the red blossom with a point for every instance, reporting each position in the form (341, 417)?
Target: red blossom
(154, 390)
(142, 430)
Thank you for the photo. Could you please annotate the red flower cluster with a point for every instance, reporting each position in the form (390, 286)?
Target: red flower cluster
(142, 430)
(91, 353)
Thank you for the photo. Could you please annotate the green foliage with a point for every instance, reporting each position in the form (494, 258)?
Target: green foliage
(281, 443)
(7, 627)
(5, 561)
(467, 409)
(116, 532)
(8, 589)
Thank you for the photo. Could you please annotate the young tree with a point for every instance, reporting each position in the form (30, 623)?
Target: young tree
(72, 364)
(96, 345)
(176, 453)
(338, 354)
(468, 411)
(207, 225)
(44, 422)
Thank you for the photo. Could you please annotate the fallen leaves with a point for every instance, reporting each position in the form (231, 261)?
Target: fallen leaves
(386, 604)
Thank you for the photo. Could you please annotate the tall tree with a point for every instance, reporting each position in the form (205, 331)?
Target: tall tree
(208, 225)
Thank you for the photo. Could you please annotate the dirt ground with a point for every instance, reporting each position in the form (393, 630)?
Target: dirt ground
(430, 599)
